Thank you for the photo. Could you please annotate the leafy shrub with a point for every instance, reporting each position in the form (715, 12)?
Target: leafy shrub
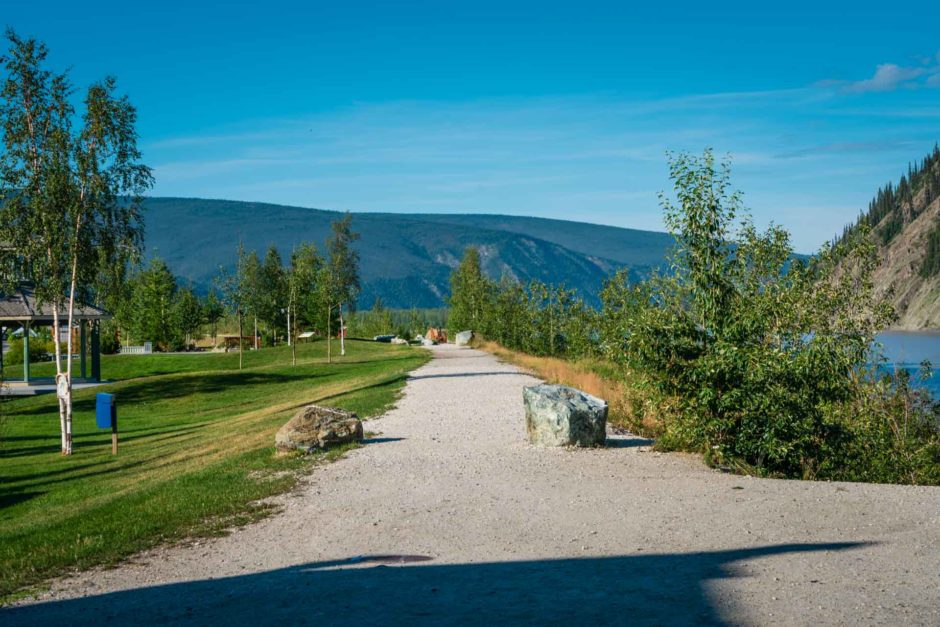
(39, 350)
(893, 432)
(762, 352)
(110, 340)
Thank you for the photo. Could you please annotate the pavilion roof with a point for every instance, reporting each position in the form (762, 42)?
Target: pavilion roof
(21, 305)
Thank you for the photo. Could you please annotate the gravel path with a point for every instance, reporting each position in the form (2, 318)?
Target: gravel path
(450, 517)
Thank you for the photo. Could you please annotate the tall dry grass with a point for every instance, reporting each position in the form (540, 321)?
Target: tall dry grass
(629, 407)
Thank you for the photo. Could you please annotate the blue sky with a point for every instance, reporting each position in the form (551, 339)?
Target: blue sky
(560, 110)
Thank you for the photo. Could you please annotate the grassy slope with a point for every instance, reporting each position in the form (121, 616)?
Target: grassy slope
(196, 451)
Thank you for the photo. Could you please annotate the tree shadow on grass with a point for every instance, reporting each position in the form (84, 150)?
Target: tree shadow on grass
(83, 440)
(173, 387)
(164, 388)
(631, 589)
(8, 499)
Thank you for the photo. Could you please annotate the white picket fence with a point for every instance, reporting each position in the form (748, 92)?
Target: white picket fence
(146, 349)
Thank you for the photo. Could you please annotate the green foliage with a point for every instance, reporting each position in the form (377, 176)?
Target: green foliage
(153, 310)
(891, 432)
(213, 311)
(537, 318)
(468, 289)
(39, 350)
(70, 184)
(273, 290)
(377, 321)
(405, 323)
(110, 340)
(931, 264)
(341, 283)
(760, 353)
(252, 281)
(187, 313)
(305, 287)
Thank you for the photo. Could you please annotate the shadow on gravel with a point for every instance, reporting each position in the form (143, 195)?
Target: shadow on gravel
(378, 440)
(628, 442)
(459, 375)
(635, 589)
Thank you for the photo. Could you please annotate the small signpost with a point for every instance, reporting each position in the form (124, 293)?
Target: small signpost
(106, 416)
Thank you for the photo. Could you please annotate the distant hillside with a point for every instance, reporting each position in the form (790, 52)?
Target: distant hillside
(406, 258)
(594, 240)
(905, 220)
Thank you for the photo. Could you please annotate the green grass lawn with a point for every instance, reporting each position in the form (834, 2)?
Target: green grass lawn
(196, 451)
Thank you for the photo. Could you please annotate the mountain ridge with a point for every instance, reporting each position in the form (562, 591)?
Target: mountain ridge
(406, 259)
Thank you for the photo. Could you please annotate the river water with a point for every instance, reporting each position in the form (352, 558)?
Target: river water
(907, 349)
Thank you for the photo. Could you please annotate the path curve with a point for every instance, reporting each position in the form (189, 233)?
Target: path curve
(449, 516)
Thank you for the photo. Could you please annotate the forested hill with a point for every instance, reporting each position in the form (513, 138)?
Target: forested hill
(905, 221)
(406, 259)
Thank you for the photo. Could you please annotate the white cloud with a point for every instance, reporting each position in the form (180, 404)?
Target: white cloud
(888, 77)
(891, 77)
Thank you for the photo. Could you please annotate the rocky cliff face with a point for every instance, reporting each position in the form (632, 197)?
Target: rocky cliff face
(916, 296)
(905, 222)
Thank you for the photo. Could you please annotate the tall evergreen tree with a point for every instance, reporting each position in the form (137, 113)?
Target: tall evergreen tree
(153, 313)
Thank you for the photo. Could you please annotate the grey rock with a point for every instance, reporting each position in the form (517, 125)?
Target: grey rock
(557, 415)
(315, 427)
(463, 338)
(428, 342)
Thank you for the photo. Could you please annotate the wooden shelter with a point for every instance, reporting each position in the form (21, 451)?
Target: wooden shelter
(20, 308)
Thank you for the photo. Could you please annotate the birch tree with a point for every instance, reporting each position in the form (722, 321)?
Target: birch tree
(71, 189)
(234, 295)
(302, 289)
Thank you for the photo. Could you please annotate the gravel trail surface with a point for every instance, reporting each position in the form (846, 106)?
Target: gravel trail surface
(449, 516)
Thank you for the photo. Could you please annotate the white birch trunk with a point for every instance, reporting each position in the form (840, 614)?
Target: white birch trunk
(69, 349)
(58, 373)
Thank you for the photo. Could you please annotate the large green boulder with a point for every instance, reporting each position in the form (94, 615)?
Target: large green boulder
(557, 415)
